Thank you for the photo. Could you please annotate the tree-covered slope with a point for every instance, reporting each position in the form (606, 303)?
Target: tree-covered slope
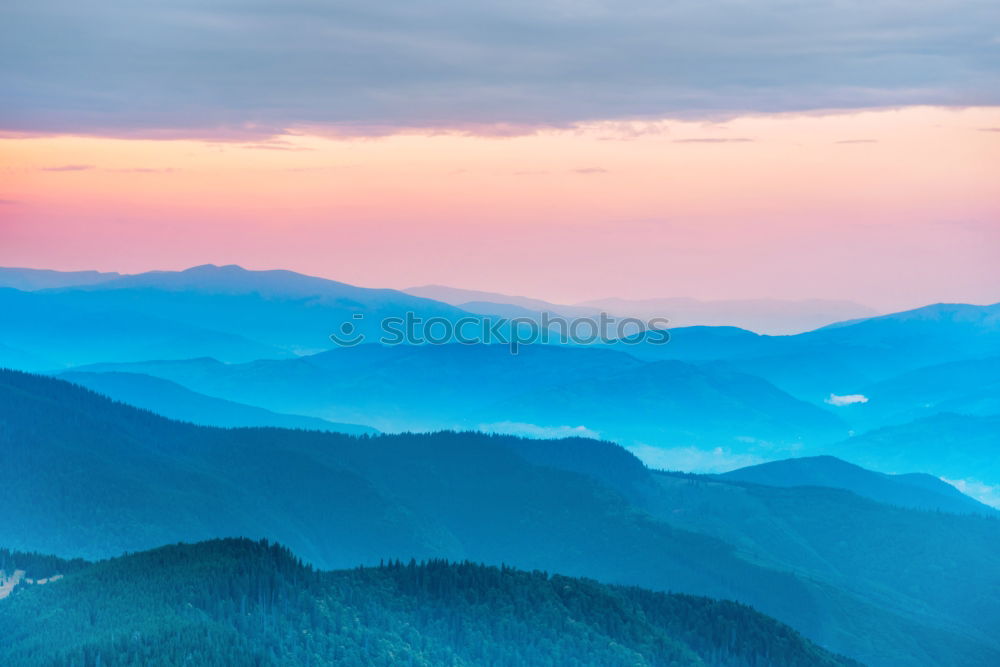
(928, 580)
(238, 602)
(87, 477)
(84, 476)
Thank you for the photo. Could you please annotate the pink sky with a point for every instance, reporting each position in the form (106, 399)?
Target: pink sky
(891, 208)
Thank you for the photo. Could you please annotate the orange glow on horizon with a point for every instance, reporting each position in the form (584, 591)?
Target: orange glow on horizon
(384, 211)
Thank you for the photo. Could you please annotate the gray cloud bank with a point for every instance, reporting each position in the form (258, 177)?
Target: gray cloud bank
(217, 68)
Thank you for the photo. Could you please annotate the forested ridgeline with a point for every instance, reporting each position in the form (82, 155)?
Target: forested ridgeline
(84, 476)
(38, 566)
(240, 602)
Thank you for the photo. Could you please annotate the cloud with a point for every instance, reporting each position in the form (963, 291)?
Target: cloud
(989, 129)
(988, 494)
(276, 147)
(69, 167)
(122, 170)
(849, 399)
(616, 130)
(714, 140)
(9, 202)
(692, 459)
(590, 170)
(143, 170)
(536, 431)
(257, 69)
(857, 141)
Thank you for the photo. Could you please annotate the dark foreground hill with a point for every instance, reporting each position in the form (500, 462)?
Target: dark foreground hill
(84, 476)
(239, 602)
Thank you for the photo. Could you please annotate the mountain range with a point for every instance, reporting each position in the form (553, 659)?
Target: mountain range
(221, 311)
(764, 316)
(36, 279)
(397, 388)
(845, 359)
(51, 330)
(251, 337)
(85, 476)
(493, 303)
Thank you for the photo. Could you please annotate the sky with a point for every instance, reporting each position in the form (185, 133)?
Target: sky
(568, 150)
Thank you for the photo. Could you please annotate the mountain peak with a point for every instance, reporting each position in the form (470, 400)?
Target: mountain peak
(234, 279)
(215, 268)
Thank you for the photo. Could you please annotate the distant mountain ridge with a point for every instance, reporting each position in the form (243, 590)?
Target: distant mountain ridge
(234, 279)
(224, 312)
(845, 359)
(913, 364)
(968, 386)
(916, 490)
(59, 329)
(961, 448)
(485, 300)
(281, 308)
(766, 316)
(175, 402)
(469, 386)
(283, 313)
(763, 316)
(36, 279)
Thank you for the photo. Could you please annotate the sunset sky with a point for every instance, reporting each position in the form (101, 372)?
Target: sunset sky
(798, 155)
